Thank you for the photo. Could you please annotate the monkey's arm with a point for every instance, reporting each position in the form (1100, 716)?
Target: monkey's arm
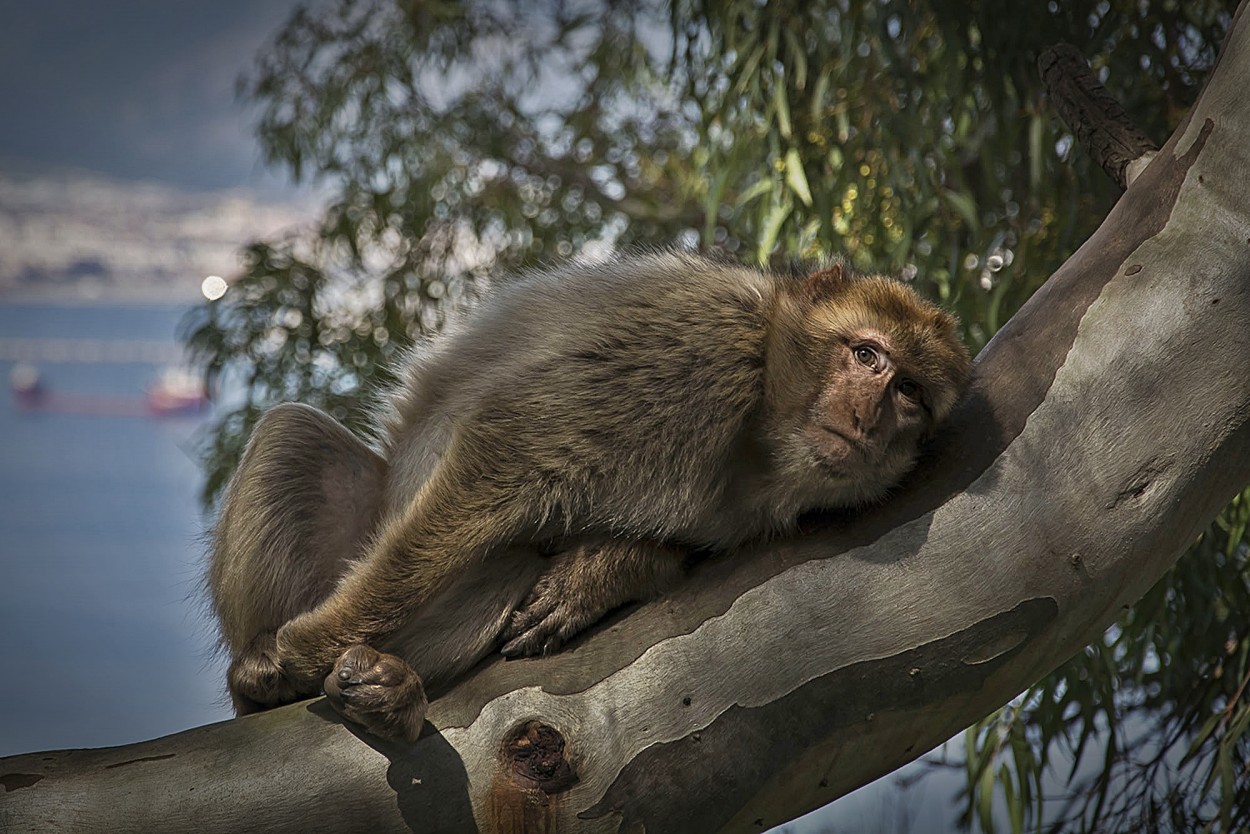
(450, 526)
(454, 522)
(584, 584)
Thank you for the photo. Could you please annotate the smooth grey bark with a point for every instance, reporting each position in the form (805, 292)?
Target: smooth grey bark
(1109, 422)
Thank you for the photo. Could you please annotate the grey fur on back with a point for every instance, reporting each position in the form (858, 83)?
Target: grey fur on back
(625, 362)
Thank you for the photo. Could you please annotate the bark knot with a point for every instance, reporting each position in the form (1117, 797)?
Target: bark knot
(536, 755)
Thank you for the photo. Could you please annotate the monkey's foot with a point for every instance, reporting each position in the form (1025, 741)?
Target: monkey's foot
(378, 691)
(550, 617)
(256, 681)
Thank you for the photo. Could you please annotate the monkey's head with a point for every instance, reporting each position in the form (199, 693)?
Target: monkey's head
(861, 371)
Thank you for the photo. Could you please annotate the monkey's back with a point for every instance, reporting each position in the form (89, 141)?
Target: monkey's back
(622, 387)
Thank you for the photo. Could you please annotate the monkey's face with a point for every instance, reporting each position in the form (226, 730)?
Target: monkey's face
(875, 370)
(871, 412)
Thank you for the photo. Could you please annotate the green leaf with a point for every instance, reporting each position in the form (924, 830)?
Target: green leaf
(816, 103)
(1036, 128)
(798, 57)
(1014, 803)
(749, 69)
(985, 800)
(758, 189)
(1208, 727)
(771, 228)
(796, 179)
(711, 207)
(1228, 783)
(781, 107)
(965, 206)
(836, 159)
(972, 757)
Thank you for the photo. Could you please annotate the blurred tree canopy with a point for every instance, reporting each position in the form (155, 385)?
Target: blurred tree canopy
(466, 138)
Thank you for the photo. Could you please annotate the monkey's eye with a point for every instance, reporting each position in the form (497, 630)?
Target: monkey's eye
(909, 389)
(867, 356)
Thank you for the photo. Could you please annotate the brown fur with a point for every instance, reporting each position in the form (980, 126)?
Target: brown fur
(633, 408)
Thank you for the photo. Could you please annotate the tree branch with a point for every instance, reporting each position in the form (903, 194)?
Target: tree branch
(1095, 117)
(1092, 450)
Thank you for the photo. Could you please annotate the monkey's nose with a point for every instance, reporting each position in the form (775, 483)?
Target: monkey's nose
(345, 675)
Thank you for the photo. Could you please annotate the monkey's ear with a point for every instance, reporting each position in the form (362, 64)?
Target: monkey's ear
(825, 282)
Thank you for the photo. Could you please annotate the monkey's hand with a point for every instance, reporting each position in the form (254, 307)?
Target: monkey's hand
(256, 681)
(583, 585)
(378, 691)
(308, 645)
(551, 615)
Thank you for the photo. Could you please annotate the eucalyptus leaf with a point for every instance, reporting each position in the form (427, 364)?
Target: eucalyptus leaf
(796, 179)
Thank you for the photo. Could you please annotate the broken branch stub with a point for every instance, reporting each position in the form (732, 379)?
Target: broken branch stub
(1097, 120)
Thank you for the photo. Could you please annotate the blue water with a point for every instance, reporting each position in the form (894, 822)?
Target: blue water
(101, 629)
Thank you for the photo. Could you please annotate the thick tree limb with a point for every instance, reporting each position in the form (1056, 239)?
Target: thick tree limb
(1109, 422)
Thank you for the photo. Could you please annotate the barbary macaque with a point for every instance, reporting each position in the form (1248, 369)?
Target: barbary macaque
(618, 415)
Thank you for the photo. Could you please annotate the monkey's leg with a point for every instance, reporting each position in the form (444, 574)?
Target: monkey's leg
(583, 585)
(444, 637)
(304, 498)
(454, 522)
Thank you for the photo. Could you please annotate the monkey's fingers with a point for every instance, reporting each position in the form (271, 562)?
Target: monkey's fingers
(256, 681)
(541, 630)
(378, 691)
(530, 614)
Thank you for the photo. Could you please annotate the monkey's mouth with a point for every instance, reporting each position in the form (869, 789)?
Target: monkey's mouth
(841, 452)
(856, 443)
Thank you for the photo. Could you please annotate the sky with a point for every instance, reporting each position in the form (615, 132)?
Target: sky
(128, 165)
(134, 89)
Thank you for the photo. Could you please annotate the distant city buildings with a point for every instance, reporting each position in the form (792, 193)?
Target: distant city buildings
(83, 237)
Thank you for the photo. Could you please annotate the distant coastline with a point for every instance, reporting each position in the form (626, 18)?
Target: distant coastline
(81, 238)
